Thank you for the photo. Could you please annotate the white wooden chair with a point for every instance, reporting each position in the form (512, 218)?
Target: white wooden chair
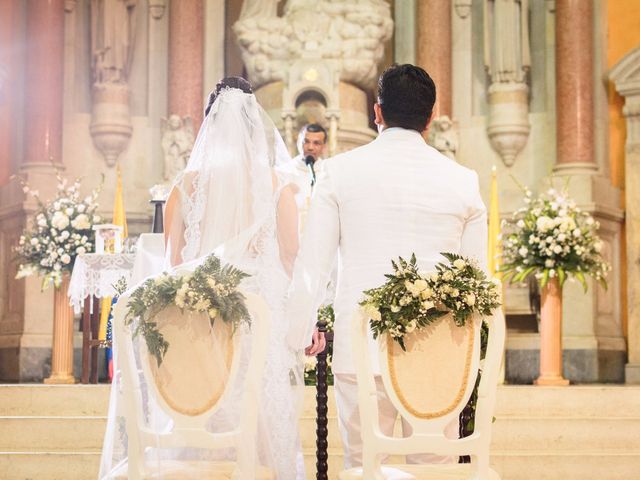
(189, 392)
(429, 385)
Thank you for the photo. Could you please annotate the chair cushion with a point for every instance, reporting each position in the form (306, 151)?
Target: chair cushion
(420, 472)
(192, 470)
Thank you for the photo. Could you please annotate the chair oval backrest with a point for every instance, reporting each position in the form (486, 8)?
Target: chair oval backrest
(196, 368)
(435, 376)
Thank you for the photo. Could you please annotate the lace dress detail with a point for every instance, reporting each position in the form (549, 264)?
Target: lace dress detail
(279, 396)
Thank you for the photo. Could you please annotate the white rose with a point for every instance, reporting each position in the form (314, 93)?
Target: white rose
(81, 208)
(81, 250)
(447, 276)
(42, 222)
(433, 277)
(543, 223)
(426, 293)
(520, 224)
(81, 222)
(470, 299)
(65, 259)
(69, 211)
(459, 264)
(597, 246)
(34, 241)
(590, 221)
(60, 220)
(421, 285)
(65, 235)
(577, 232)
(523, 251)
(428, 304)
(562, 237)
(372, 312)
(557, 249)
(549, 263)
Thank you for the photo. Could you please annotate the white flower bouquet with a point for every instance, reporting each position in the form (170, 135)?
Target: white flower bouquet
(551, 237)
(411, 299)
(60, 231)
(210, 289)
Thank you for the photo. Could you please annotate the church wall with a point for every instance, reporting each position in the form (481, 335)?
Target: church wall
(623, 34)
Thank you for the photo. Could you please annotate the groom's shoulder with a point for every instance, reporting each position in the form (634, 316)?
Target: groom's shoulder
(346, 160)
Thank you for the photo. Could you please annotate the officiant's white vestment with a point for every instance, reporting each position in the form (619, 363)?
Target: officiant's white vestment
(392, 197)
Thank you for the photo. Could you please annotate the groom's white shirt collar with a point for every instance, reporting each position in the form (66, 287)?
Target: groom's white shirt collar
(399, 132)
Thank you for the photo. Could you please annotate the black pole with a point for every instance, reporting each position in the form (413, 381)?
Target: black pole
(322, 409)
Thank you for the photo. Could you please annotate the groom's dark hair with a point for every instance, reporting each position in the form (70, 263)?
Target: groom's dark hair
(227, 82)
(406, 95)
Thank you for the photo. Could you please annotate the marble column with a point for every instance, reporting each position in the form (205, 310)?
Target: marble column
(8, 68)
(433, 49)
(626, 77)
(186, 59)
(574, 86)
(43, 83)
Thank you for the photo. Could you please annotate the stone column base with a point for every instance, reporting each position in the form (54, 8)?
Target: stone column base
(632, 373)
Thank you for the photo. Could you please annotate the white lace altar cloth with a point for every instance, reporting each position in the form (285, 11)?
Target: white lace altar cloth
(96, 274)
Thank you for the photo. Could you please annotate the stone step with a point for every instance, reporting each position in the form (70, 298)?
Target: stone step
(580, 401)
(565, 435)
(548, 465)
(49, 465)
(54, 400)
(51, 434)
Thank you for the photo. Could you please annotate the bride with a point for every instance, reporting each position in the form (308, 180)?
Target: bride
(233, 201)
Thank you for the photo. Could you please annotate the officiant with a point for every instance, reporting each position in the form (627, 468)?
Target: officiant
(312, 147)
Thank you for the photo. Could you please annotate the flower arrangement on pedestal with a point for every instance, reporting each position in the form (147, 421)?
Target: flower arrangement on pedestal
(552, 239)
(61, 230)
(411, 299)
(210, 289)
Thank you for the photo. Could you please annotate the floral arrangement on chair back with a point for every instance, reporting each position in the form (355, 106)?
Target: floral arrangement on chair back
(61, 230)
(550, 237)
(411, 299)
(211, 289)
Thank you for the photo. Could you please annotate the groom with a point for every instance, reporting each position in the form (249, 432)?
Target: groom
(393, 197)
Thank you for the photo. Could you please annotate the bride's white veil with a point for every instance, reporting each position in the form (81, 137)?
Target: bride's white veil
(227, 188)
(225, 204)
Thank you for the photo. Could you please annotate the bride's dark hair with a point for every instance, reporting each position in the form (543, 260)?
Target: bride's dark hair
(227, 82)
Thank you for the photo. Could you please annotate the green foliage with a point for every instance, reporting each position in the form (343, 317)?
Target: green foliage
(211, 289)
(411, 299)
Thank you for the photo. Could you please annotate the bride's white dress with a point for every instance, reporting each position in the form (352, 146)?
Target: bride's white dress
(230, 202)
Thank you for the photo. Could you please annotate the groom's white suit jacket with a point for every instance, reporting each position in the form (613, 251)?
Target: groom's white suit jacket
(393, 197)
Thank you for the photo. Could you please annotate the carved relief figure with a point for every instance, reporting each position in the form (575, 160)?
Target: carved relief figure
(112, 39)
(350, 34)
(443, 137)
(177, 141)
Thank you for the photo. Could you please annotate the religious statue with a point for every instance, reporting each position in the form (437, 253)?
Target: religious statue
(112, 39)
(443, 137)
(177, 142)
(507, 59)
(506, 36)
(113, 27)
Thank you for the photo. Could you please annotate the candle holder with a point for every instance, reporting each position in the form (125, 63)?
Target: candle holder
(158, 224)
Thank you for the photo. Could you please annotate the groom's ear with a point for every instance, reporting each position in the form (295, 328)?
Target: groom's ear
(378, 119)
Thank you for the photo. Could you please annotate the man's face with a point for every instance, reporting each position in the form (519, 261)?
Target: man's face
(313, 144)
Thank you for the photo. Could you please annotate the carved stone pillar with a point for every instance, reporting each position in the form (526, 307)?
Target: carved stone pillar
(433, 52)
(574, 86)
(9, 65)
(43, 83)
(186, 47)
(626, 77)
